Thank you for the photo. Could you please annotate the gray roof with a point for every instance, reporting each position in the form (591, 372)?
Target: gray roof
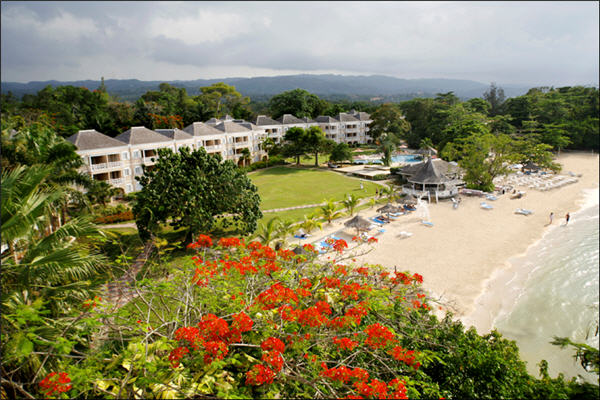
(289, 119)
(308, 120)
(201, 129)
(343, 117)
(362, 116)
(431, 172)
(141, 135)
(264, 120)
(227, 117)
(91, 139)
(249, 125)
(174, 134)
(325, 118)
(231, 127)
(213, 121)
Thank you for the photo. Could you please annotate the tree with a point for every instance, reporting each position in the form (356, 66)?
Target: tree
(387, 145)
(309, 223)
(246, 156)
(314, 140)
(222, 99)
(268, 232)
(330, 211)
(295, 146)
(351, 202)
(192, 189)
(388, 120)
(100, 192)
(297, 102)
(495, 96)
(483, 157)
(340, 152)
(478, 105)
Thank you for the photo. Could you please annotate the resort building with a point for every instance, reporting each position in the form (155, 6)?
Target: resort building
(120, 159)
(433, 178)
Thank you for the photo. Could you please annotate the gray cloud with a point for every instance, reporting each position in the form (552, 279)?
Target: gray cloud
(553, 43)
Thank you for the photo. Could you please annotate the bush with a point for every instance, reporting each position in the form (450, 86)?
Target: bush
(264, 164)
(118, 217)
(380, 177)
(240, 320)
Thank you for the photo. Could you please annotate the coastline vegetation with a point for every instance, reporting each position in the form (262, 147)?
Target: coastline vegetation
(225, 315)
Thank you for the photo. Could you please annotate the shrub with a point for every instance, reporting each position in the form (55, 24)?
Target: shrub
(119, 217)
(380, 177)
(241, 320)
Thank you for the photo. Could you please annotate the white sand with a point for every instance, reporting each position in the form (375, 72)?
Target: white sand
(465, 246)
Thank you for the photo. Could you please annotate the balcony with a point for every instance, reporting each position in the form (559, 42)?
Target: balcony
(213, 147)
(237, 145)
(96, 167)
(113, 164)
(118, 181)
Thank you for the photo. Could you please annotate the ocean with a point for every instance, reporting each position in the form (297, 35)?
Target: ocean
(553, 290)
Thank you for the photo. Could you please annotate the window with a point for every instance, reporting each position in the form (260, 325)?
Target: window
(128, 188)
(125, 155)
(137, 154)
(138, 186)
(138, 171)
(126, 172)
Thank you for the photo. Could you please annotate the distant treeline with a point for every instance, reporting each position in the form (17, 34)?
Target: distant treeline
(564, 117)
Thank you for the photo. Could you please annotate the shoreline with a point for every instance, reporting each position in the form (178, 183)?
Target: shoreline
(482, 318)
(469, 248)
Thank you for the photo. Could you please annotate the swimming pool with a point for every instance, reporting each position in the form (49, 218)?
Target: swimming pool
(401, 158)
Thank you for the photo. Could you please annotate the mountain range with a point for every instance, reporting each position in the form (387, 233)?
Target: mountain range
(373, 87)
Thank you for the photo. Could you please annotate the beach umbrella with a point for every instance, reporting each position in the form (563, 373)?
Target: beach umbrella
(388, 208)
(300, 250)
(410, 200)
(359, 223)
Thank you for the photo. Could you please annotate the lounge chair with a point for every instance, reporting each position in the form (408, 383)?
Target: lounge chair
(523, 211)
(491, 197)
(404, 234)
(378, 221)
(302, 236)
(427, 223)
(486, 206)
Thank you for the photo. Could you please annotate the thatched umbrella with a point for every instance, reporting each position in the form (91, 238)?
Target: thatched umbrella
(410, 200)
(388, 208)
(359, 223)
(300, 250)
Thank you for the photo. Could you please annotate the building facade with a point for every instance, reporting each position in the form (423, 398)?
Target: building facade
(119, 160)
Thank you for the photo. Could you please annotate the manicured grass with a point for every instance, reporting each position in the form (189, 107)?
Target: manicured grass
(281, 187)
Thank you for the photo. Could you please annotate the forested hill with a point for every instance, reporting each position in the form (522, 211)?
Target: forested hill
(326, 86)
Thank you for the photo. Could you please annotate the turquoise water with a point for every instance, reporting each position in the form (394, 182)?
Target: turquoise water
(402, 158)
(559, 295)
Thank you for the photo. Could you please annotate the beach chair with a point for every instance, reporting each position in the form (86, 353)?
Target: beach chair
(427, 224)
(378, 221)
(523, 211)
(485, 206)
(404, 234)
(491, 197)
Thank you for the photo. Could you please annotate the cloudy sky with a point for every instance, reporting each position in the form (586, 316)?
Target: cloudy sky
(541, 43)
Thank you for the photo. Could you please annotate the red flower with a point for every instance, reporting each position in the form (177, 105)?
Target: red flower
(372, 240)
(53, 383)
(345, 343)
(229, 242)
(378, 336)
(215, 350)
(273, 343)
(176, 354)
(274, 359)
(339, 245)
(418, 278)
(203, 241)
(242, 322)
(259, 375)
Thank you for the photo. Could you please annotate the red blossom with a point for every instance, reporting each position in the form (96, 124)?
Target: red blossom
(378, 336)
(56, 382)
(274, 359)
(259, 375)
(272, 343)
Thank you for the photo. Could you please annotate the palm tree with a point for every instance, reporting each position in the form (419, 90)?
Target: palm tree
(310, 223)
(285, 228)
(389, 193)
(329, 211)
(350, 202)
(100, 192)
(47, 271)
(268, 233)
(39, 260)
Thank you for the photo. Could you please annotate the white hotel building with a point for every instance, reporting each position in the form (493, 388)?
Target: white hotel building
(119, 160)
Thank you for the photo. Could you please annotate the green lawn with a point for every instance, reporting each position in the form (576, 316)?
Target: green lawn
(281, 187)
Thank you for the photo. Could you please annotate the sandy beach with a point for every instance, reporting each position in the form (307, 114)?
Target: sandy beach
(461, 252)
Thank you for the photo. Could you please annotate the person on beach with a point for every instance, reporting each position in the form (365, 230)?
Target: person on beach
(361, 186)
(551, 218)
(567, 218)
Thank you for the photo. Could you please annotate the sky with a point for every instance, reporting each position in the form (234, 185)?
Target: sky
(542, 43)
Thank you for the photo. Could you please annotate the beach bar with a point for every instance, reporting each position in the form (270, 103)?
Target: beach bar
(432, 178)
